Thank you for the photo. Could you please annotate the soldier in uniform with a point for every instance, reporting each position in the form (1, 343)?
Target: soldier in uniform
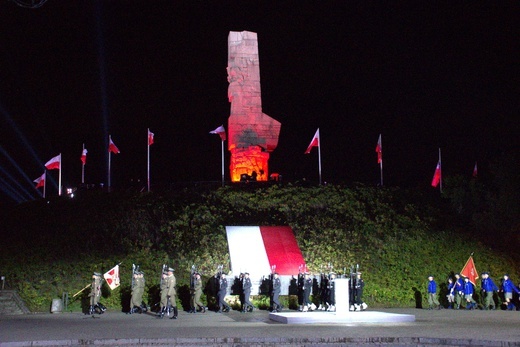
(95, 295)
(307, 287)
(222, 291)
(324, 292)
(196, 293)
(488, 288)
(136, 302)
(171, 292)
(359, 305)
(246, 287)
(164, 295)
(331, 292)
(277, 287)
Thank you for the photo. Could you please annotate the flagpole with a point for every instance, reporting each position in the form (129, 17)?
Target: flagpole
(381, 162)
(83, 167)
(109, 155)
(440, 165)
(222, 163)
(148, 161)
(319, 156)
(44, 182)
(59, 179)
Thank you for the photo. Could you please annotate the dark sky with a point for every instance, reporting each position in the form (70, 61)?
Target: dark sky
(424, 75)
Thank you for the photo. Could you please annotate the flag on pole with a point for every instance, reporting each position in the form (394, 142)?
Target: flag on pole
(220, 131)
(475, 170)
(112, 277)
(437, 175)
(54, 163)
(112, 147)
(84, 156)
(379, 150)
(150, 138)
(470, 271)
(315, 142)
(40, 181)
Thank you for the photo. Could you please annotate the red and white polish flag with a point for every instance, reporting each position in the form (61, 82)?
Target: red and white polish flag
(256, 249)
(54, 163)
(221, 131)
(437, 175)
(315, 142)
(40, 181)
(84, 156)
(112, 147)
(150, 137)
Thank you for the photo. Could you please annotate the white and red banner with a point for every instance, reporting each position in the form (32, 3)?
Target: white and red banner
(112, 277)
(315, 142)
(54, 163)
(112, 147)
(84, 156)
(150, 137)
(256, 249)
(40, 181)
(437, 176)
(220, 131)
(379, 150)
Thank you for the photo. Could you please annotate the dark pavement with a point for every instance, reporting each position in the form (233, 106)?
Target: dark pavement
(431, 328)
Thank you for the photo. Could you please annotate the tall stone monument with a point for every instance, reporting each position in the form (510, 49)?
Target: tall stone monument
(252, 134)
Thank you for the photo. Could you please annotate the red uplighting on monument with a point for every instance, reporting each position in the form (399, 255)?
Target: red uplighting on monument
(252, 134)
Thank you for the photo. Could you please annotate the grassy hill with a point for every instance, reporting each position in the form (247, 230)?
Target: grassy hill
(397, 237)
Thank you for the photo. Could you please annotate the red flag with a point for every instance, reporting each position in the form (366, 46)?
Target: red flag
(379, 150)
(54, 163)
(470, 271)
(84, 156)
(475, 170)
(315, 141)
(150, 138)
(437, 175)
(40, 181)
(112, 147)
(221, 131)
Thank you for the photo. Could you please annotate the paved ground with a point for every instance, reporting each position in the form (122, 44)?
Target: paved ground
(431, 328)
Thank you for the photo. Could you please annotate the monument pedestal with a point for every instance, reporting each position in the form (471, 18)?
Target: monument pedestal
(341, 293)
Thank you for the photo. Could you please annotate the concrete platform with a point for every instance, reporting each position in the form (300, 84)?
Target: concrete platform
(333, 318)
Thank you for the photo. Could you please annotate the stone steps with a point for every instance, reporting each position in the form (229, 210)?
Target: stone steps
(11, 303)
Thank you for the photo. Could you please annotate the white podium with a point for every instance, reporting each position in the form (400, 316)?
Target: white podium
(341, 290)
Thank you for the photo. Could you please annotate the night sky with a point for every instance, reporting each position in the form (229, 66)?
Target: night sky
(423, 75)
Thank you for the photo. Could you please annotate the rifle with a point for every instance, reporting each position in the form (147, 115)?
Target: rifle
(88, 285)
(192, 276)
(133, 273)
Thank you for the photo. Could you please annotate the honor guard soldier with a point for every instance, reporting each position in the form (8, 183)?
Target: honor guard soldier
(331, 289)
(359, 305)
(171, 291)
(196, 294)
(488, 288)
(508, 287)
(164, 294)
(246, 287)
(222, 291)
(136, 302)
(307, 287)
(95, 295)
(324, 292)
(277, 288)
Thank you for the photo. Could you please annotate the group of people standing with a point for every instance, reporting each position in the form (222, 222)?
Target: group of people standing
(461, 291)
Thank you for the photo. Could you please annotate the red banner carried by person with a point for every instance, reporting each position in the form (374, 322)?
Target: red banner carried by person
(315, 142)
(54, 163)
(112, 277)
(379, 150)
(437, 175)
(112, 147)
(220, 131)
(84, 156)
(150, 138)
(470, 271)
(40, 181)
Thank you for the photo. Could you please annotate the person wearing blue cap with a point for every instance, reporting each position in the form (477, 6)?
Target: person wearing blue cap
(508, 287)
(432, 294)
(471, 304)
(459, 290)
(488, 288)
